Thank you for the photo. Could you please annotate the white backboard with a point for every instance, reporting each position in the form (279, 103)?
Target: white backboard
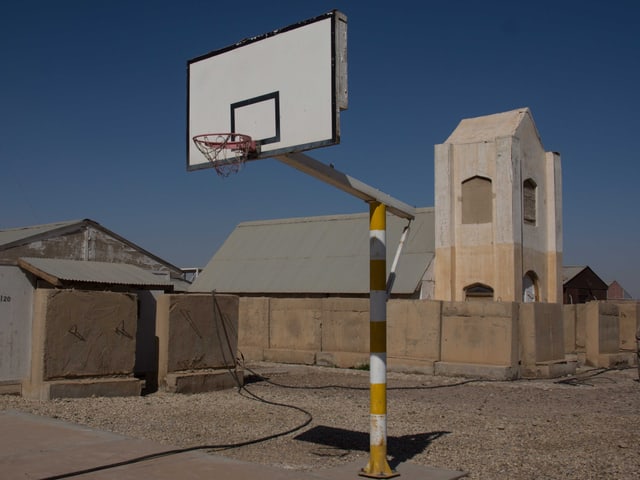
(285, 89)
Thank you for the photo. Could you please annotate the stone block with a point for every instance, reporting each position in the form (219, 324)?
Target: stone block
(612, 360)
(410, 365)
(83, 344)
(342, 359)
(478, 309)
(569, 316)
(553, 369)
(196, 333)
(253, 324)
(602, 332)
(470, 337)
(304, 357)
(251, 354)
(629, 318)
(413, 328)
(203, 381)
(83, 333)
(474, 370)
(295, 324)
(541, 330)
(345, 325)
(10, 388)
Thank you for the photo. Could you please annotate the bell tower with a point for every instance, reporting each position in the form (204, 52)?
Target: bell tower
(498, 212)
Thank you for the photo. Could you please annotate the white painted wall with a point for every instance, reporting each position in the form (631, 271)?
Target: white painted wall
(16, 306)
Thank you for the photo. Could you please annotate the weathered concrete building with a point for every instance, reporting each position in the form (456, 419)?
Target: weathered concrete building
(615, 291)
(81, 256)
(580, 284)
(498, 204)
(79, 240)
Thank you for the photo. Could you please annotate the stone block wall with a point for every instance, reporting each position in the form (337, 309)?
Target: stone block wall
(449, 338)
(414, 332)
(602, 334)
(344, 332)
(629, 315)
(542, 344)
(480, 332)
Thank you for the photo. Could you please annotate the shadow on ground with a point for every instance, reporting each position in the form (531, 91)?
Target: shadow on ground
(399, 449)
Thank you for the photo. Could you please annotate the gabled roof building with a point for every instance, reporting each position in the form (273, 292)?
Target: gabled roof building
(615, 291)
(82, 240)
(580, 284)
(318, 256)
(74, 255)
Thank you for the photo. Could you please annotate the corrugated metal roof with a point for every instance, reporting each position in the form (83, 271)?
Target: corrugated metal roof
(13, 235)
(328, 254)
(58, 272)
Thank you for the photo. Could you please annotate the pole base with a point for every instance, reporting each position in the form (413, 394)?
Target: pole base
(391, 474)
(378, 469)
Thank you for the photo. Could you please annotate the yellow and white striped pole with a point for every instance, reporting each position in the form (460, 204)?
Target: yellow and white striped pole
(378, 466)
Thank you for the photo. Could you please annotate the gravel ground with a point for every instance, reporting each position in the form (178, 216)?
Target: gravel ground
(583, 427)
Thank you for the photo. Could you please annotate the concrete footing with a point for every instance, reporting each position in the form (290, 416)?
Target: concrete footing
(551, 369)
(283, 355)
(341, 359)
(491, 372)
(411, 365)
(611, 360)
(85, 387)
(199, 382)
(10, 388)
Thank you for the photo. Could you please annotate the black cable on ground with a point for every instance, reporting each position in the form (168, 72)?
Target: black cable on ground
(262, 378)
(581, 379)
(215, 447)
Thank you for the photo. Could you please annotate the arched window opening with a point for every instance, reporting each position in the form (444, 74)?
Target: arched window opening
(477, 200)
(529, 191)
(530, 288)
(478, 292)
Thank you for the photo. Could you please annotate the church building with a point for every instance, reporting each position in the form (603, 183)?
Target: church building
(498, 212)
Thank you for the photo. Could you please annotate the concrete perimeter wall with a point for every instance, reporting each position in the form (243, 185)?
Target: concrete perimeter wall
(502, 340)
(602, 334)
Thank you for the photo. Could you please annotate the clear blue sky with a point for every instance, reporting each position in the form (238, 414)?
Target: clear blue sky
(93, 107)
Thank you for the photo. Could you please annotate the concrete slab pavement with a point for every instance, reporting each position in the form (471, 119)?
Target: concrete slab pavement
(34, 447)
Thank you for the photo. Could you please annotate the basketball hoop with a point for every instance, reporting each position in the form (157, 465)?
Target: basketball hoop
(227, 152)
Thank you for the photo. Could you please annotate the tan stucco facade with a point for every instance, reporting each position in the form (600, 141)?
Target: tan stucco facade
(498, 211)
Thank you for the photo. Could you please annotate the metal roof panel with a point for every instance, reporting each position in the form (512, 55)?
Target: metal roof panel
(58, 272)
(326, 254)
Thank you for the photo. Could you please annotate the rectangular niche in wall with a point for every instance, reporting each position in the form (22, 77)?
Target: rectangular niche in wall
(477, 204)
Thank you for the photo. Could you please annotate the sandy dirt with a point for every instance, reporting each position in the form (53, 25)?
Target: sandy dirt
(581, 427)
